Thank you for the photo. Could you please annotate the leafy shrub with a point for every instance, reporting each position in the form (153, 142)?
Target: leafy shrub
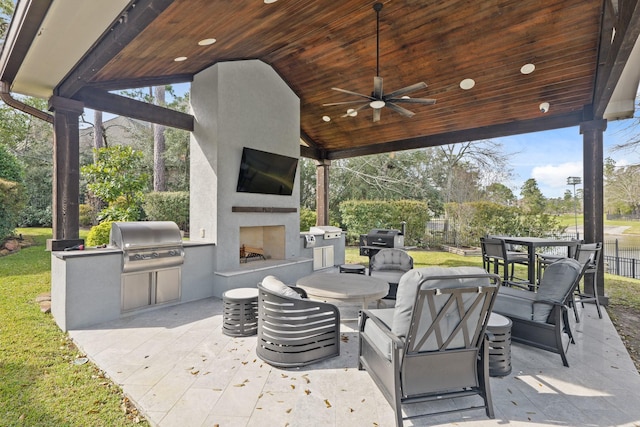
(360, 216)
(12, 201)
(307, 219)
(168, 206)
(99, 234)
(10, 168)
(87, 215)
(34, 216)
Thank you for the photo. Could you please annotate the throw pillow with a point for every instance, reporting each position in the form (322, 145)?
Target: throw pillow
(273, 284)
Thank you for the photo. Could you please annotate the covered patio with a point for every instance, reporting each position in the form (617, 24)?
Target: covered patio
(179, 369)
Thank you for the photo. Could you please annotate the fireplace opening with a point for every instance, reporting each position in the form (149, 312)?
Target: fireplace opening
(262, 243)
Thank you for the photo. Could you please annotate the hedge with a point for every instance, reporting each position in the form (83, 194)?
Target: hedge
(360, 216)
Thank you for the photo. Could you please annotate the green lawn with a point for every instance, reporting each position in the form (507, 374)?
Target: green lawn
(40, 385)
(569, 221)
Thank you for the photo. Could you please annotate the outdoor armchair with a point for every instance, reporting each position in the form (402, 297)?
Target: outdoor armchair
(540, 318)
(292, 330)
(390, 264)
(432, 345)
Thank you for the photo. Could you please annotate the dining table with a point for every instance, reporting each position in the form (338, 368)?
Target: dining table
(533, 243)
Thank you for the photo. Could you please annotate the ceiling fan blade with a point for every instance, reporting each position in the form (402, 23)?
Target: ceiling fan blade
(404, 90)
(400, 110)
(377, 87)
(342, 103)
(353, 93)
(363, 106)
(423, 101)
(376, 114)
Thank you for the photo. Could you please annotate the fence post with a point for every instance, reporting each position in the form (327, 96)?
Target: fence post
(617, 257)
(633, 268)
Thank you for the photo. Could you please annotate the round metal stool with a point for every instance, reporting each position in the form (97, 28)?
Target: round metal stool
(240, 312)
(499, 345)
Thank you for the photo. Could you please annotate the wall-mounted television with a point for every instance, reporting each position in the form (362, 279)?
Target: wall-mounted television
(266, 173)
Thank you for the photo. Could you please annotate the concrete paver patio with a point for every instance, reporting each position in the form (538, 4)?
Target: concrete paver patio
(179, 369)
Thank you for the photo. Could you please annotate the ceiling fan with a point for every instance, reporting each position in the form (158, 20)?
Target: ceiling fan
(378, 99)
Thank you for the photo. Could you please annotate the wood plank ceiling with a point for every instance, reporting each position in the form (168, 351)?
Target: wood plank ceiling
(319, 44)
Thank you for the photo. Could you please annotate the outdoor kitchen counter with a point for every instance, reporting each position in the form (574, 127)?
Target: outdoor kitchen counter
(86, 285)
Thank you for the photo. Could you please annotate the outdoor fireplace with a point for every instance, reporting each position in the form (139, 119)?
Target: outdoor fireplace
(262, 243)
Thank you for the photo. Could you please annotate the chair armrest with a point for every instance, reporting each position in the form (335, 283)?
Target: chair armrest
(366, 314)
(300, 291)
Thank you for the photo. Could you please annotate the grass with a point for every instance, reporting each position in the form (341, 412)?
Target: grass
(569, 221)
(41, 385)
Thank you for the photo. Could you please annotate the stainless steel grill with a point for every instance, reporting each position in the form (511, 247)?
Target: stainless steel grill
(147, 245)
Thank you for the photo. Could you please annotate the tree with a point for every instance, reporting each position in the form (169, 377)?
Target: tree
(500, 194)
(622, 188)
(159, 182)
(6, 10)
(483, 161)
(533, 201)
(116, 178)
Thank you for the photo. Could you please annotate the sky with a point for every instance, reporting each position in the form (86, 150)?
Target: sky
(551, 157)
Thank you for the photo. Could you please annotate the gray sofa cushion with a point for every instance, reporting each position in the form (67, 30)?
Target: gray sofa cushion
(513, 302)
(274, 285)
(557, 280)
(375, 335)
(389, 276)
(408, 289)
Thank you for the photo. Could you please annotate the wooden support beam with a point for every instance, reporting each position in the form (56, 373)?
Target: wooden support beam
(614, 55)
(488, 132)
(322, 192)
(139, 15)
(123, 106)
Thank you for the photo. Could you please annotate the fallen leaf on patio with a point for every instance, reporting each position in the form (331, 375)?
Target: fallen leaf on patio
(305, 376)
(509, 390)
(216, 389)
(260, 395)
(284, 376)
(207, 373)
(239, 385)
(195, 372)
(326, 402)
(293, 387)
(288, 411)
(244, 363)
(259, 408)
(514, 403)
(614, 367)
(146, 356)
(307, 391)
(344, 338)
(351, 410)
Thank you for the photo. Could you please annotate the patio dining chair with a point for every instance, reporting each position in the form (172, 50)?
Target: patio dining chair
(292, 330)
(432, 344)
(495, 256)
(540, 319)
(588, 254)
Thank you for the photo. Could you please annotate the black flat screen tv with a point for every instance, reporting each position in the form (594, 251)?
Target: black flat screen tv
(266, 173)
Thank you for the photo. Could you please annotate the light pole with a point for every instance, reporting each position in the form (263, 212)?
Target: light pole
(575, 180)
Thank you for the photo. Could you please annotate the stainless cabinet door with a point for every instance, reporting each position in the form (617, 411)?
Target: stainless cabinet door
(136, 290)
(167, 285)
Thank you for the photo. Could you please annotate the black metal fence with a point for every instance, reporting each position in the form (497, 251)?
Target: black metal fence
(618, 259)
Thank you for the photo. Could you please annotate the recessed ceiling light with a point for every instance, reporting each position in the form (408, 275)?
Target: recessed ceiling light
(326, 118)
(180, 58)
(544, 107)
(269, 1)
(206, 42)
(405, 97)
(527, 68)
(467, 84)
(351, 112)
(377, 104)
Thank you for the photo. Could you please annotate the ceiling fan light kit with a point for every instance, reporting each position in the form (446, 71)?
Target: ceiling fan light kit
(378, 99)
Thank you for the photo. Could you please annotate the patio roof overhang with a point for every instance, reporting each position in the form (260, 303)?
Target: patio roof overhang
(587, 63)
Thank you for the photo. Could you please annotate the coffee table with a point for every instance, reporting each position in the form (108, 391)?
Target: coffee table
(345, 288)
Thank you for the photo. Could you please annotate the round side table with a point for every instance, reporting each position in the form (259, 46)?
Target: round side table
(240, 312)
(499, 345)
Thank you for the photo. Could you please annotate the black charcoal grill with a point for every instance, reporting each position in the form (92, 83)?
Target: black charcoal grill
(378, 239)
(147, 245)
